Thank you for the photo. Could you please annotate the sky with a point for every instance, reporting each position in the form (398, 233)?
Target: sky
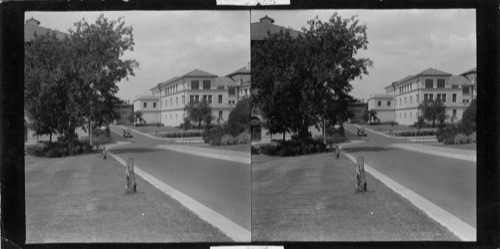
(401, 42)
(171, 43)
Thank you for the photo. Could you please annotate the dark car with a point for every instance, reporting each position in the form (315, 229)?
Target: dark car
(127, 133)
(362, 132)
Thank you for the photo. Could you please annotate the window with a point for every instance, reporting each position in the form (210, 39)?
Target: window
(176, 100)
(454, 113)
(440, 83)
(379, 103)
(176, 116)
(405, 114)
(388, 103)
(154, 104)
(166, 102)
(454, 98)
(431, 97)
(170, 101)
(426, 97)
(411, 101)
(399, 101)
(429, 83)
(232, 91)
(206, 85)
(454, 86)
(145, 104)
(195, 85)
(465, 90)
(205, 98)
(410, 114)
(443, 97)
(191, 98)
(161, 103)
(220, 88)
(417, 98)
(170, 116)
(405, 100)
(220, 99)
(220, 114)
(210, 99)
(232, 102)
(196, 98)
(183, 100)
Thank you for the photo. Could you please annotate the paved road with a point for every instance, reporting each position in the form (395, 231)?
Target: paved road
(447, 182)
(223, 186)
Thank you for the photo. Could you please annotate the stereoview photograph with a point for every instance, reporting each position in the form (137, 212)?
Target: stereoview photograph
(137, 126)
(363, 125)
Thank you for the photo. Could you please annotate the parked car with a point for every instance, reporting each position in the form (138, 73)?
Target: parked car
(362, 132)
(127, 133)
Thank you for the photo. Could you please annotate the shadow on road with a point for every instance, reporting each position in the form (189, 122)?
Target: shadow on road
(367, 149)
(133, 150)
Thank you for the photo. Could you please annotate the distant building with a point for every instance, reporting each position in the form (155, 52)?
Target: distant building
(471, 75)
(32, 27)
(242, 78)
(358, 109)
(455, 92)
(168, 99)
(383, 104)
(125, 110)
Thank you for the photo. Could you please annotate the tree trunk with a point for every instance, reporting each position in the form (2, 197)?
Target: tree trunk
(360, 175)
(130, 177)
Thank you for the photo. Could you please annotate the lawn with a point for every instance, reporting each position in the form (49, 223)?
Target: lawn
(470, 146)
(235, 147)
(161, 129)
(388, 127)
(82, 199)
(312, 198)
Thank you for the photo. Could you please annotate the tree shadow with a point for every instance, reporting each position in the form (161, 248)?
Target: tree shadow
(134, 150)
(367, 149)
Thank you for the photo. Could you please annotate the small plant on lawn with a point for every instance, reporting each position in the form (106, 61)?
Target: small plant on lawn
(461, 138)
(255, 151)
(243, 138)
(228, 140)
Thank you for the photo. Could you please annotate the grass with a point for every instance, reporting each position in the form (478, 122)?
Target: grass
(161, 129)
(82, 199)
(311, 198)
(470, 146)
(235, 147)
(388, 127)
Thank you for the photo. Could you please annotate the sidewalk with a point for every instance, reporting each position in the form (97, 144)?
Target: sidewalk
(469, 155)
(235, 156)
(82, 199)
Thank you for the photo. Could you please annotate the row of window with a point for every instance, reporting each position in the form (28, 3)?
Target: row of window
(429, 83)
(176, 116)
(379, 103)
(416, 114)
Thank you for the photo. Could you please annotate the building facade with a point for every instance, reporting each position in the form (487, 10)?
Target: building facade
(125, 110)
(358, 109)
(242, 78)
(383, 104)
(456, 92)
(168, 99)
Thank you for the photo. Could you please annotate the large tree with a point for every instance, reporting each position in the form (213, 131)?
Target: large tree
(301, 81)
(239, 118)
(199, 111)
(80, 78)
(469, 119)
(432, 110)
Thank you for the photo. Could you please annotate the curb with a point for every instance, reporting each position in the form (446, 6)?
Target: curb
(207, 154)
(458, 227)
(226, 226)
(435, 152)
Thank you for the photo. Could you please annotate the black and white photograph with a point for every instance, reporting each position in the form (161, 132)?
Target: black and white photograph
(137, 126)
(363, 125)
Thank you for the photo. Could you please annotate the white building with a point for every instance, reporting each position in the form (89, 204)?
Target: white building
(383, 104)
(455, 92)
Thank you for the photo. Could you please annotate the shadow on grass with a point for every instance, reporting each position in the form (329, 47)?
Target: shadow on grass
(367, 149)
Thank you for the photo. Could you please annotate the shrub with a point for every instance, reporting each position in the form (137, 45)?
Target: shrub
(227, 140)
(213, 136)
(38, 150)
(287, 151)
(447, 135)
(243, 137)
(460, 138)
(254, 150)
(270, 149)
(472, 137)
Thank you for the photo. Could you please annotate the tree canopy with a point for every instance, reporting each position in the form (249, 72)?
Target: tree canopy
(239, 118)
(468, 122)
(199, 111)
(73, 80)
(301, 81)
(433, 110)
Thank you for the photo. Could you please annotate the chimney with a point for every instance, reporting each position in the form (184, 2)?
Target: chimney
(33, 21)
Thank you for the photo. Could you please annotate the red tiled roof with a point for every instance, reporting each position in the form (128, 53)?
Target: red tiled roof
(258, 30)
(30, 30)
(432, 71)
(198, 73)
(459, 80)
(243, 70)
(474, 70)
(225, 81)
